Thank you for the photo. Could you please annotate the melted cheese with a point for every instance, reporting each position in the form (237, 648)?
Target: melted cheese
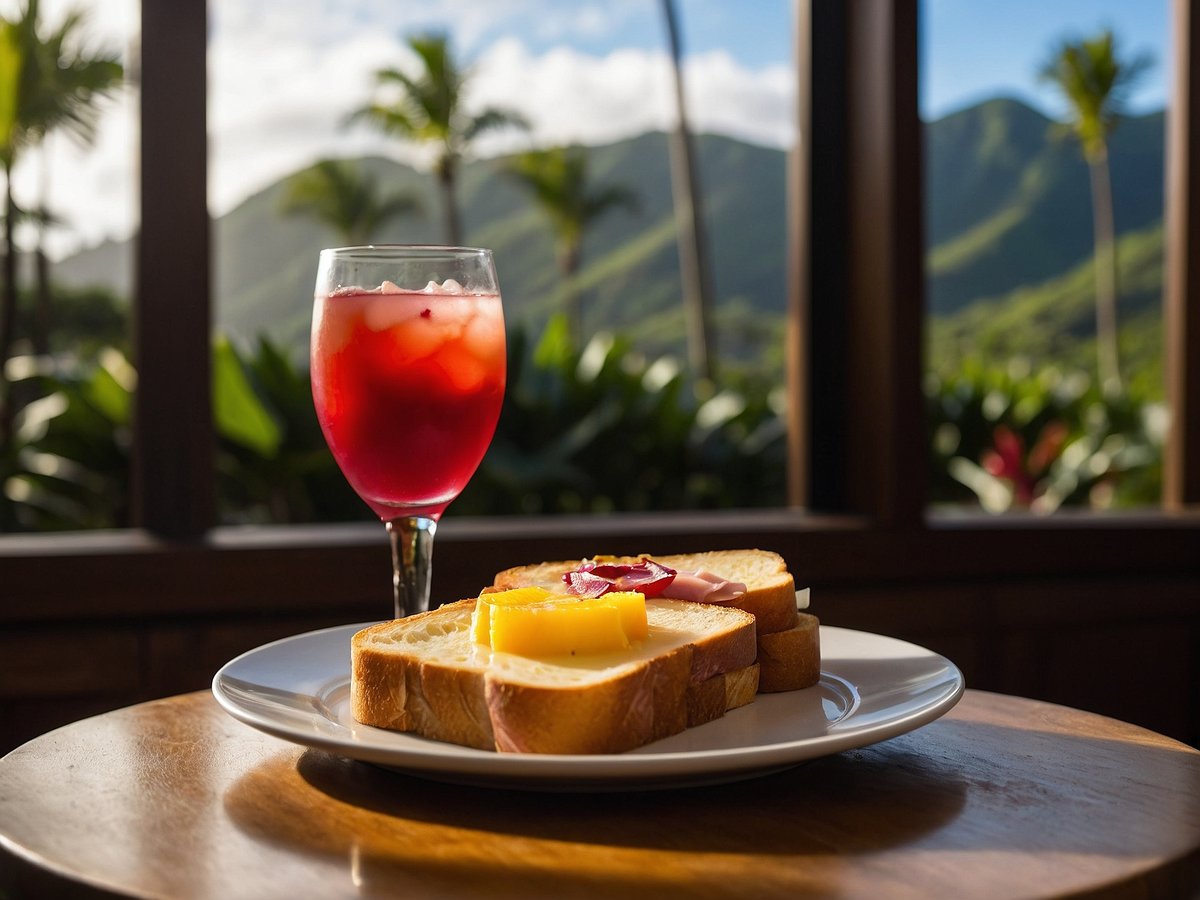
(535, 622)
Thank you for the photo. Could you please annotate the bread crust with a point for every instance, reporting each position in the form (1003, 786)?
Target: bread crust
(401, 679)
(791, 659)
(711, 699)
(741, 686)
(646, 704)
(429, 697)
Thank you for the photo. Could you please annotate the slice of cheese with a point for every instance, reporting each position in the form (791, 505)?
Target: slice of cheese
(536, 622)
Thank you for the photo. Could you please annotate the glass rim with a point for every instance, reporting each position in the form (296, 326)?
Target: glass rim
(401, 251)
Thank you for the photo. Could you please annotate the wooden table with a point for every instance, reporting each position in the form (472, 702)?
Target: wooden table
(1001, 797)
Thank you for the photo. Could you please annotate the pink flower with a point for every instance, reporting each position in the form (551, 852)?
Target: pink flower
(1008, 460)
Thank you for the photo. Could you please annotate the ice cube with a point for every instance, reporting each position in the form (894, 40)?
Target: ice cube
(483, 338)
(418, 338)
(463, 370)
(449, 286)
(390, 287)
(381, 315)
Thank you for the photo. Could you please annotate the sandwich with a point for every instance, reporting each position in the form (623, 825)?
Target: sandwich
(549, 660)
(757, 581)
(429, 675)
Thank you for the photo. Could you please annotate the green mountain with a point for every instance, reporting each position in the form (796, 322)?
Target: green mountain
(1054, 320)
(1008, 219)
(1009, 271)
(266, 263)
(1008, 200)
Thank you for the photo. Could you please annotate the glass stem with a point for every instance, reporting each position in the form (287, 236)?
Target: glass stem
(412, 556)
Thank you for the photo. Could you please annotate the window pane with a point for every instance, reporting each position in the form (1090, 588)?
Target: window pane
(602, 412)
(65, 398)
(1044, 152)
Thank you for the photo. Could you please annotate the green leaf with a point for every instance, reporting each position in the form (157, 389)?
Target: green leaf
(108, 396)
(10, 67)
(554, 349)
(240, 415)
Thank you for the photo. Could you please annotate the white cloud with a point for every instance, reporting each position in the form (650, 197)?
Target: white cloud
(757, 106)
(109, 23)
(283, 77)
(568, 96)
(275, 107)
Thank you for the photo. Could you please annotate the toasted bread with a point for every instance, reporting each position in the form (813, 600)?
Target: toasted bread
(789, 648)
(770, 590)
(424, 674)
(791, 659)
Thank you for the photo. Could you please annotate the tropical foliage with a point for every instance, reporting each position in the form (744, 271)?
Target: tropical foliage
(597, 429)
(67, 464)
(272, 462)
(1011, 438)
(426, 107)
(604, 428)
(1095, 81)
(591, 430)
(557, 178)
(49, 85)
(346, 198)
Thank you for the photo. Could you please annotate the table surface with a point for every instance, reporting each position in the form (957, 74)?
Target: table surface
(1001, 797)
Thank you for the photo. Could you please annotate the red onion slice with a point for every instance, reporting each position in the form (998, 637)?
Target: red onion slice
(651, 579)
(594, 579)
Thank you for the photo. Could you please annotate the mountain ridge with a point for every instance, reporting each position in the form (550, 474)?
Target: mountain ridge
(1007, 210)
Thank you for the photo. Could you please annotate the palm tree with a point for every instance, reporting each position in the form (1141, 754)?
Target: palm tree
(428, 110)
(51, 85)
(345, 198)
(13, 48)
(1094, 81)
(694, 265)
(70, 84)
(558, 179)
(42, 220)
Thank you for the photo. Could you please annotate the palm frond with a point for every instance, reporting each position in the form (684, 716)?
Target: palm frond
(58, 83)
(1095, 81)
(345, 198)
(558, 179)
(492, 119)
(388, 119)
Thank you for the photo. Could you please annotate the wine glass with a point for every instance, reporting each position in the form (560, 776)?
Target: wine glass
(408, 373)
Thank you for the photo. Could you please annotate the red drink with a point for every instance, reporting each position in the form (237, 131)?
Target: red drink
(408, 386)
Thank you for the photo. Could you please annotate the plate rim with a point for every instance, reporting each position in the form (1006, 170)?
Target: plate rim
(469, 765)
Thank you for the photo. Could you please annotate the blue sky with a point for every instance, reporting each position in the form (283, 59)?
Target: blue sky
(970, 49)
(756, 32)
(973, 48)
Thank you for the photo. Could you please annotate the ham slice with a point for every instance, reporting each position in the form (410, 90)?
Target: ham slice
(703, 587)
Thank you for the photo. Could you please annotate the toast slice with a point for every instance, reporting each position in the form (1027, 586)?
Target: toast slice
(790, 660)
(424, 674)
(789, 641)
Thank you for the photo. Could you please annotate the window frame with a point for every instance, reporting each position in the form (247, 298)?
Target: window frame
(857, 448)
(1181, 320)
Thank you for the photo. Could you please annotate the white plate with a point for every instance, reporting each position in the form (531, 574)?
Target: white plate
(872, 688)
